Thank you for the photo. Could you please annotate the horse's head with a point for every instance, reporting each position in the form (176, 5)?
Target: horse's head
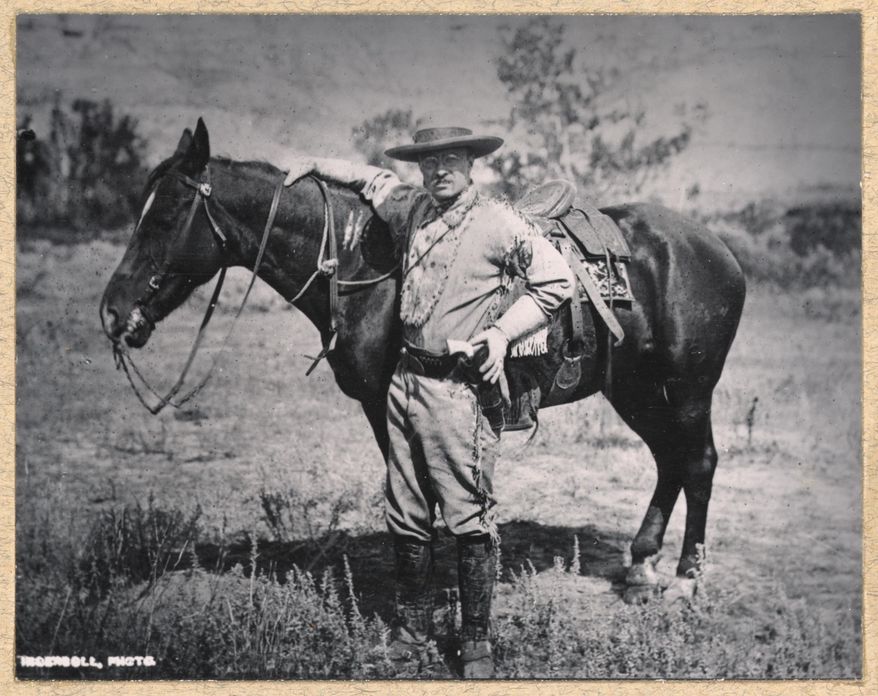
(173, 249)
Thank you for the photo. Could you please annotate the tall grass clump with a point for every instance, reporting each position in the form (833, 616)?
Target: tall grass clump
(258, 627)
(135, 544)
(132, 584)
(317, 503)
(718, 636)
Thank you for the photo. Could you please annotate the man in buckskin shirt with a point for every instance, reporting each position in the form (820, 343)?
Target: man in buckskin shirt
(459, 250)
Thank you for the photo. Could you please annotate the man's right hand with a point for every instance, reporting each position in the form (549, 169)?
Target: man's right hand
(350, 174)
(296, 168)
(496, 342)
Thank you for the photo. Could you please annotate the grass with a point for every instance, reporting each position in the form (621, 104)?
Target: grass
(714, 637)
(134, 585)
(139, 535)
(123, 593)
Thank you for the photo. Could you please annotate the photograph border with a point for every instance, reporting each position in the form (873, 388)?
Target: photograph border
(8, 13)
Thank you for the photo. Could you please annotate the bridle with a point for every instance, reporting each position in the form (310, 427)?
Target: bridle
(327, 265)
(138, 315)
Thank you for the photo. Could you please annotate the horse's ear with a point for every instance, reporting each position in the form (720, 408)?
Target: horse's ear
(199, 152)
(185, 142)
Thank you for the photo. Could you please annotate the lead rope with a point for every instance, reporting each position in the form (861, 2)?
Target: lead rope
(327, 266)
(121, 353)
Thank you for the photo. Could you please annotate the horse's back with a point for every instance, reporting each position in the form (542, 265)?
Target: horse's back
(689, 288)
(655, 231)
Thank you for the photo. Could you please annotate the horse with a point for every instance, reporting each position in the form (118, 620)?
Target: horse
(689, 293)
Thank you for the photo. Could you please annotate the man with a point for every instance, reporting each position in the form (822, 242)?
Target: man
(460, 251)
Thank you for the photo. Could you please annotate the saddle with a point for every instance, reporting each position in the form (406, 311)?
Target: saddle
(597, 242)
(598, 254)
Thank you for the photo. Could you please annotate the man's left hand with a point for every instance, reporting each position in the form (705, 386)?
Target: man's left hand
(497, 343)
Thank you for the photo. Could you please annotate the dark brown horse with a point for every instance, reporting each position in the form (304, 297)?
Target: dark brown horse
(689, 290)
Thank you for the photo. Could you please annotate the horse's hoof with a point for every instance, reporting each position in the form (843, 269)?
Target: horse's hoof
(681, 590)
(641, 594)
(643, 573)
(642, 581)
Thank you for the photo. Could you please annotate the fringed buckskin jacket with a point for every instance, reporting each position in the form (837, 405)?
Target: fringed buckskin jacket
(459, 262)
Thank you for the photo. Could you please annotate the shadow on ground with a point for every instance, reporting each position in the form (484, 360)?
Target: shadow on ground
(371, 557)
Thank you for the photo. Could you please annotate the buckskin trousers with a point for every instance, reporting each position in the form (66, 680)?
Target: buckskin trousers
(442, 451)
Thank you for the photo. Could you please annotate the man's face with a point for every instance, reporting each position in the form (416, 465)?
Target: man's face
(446, 172)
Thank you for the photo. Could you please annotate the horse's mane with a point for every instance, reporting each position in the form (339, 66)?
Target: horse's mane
(257, 166)
(264, 170)
(270, 171)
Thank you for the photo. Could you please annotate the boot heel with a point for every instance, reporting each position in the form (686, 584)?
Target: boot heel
(477, 660)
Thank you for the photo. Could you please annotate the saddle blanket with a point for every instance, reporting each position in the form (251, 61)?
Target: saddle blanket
(618, 280)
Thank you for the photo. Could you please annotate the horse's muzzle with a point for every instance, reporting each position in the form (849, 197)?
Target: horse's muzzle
(134, 331)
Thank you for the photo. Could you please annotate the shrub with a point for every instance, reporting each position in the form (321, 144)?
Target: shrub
(835, 227)
(806, 246)
(85, 174)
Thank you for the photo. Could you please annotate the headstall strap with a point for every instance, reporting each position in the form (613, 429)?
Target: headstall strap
(331, 260)
(203, 191)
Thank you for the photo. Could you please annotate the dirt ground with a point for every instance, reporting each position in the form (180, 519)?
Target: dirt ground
(786, 506)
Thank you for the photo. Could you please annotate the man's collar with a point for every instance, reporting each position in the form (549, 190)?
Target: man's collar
(453, 212)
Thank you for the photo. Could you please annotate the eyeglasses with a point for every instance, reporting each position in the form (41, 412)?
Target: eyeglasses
(447, 160)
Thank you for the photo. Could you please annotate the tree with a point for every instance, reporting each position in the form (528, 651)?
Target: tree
(373, 136)
(571, 118)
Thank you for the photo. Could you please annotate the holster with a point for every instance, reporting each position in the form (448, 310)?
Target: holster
(491, 399)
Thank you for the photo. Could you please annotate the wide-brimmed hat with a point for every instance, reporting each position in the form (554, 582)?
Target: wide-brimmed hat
(432, 139)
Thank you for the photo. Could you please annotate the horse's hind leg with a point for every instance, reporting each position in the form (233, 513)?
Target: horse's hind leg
(675, 425)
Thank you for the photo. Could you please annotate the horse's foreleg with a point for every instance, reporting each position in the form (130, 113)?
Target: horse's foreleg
(376, 413)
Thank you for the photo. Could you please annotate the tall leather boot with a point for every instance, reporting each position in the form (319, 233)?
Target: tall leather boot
(476, 569)
(414, 599)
